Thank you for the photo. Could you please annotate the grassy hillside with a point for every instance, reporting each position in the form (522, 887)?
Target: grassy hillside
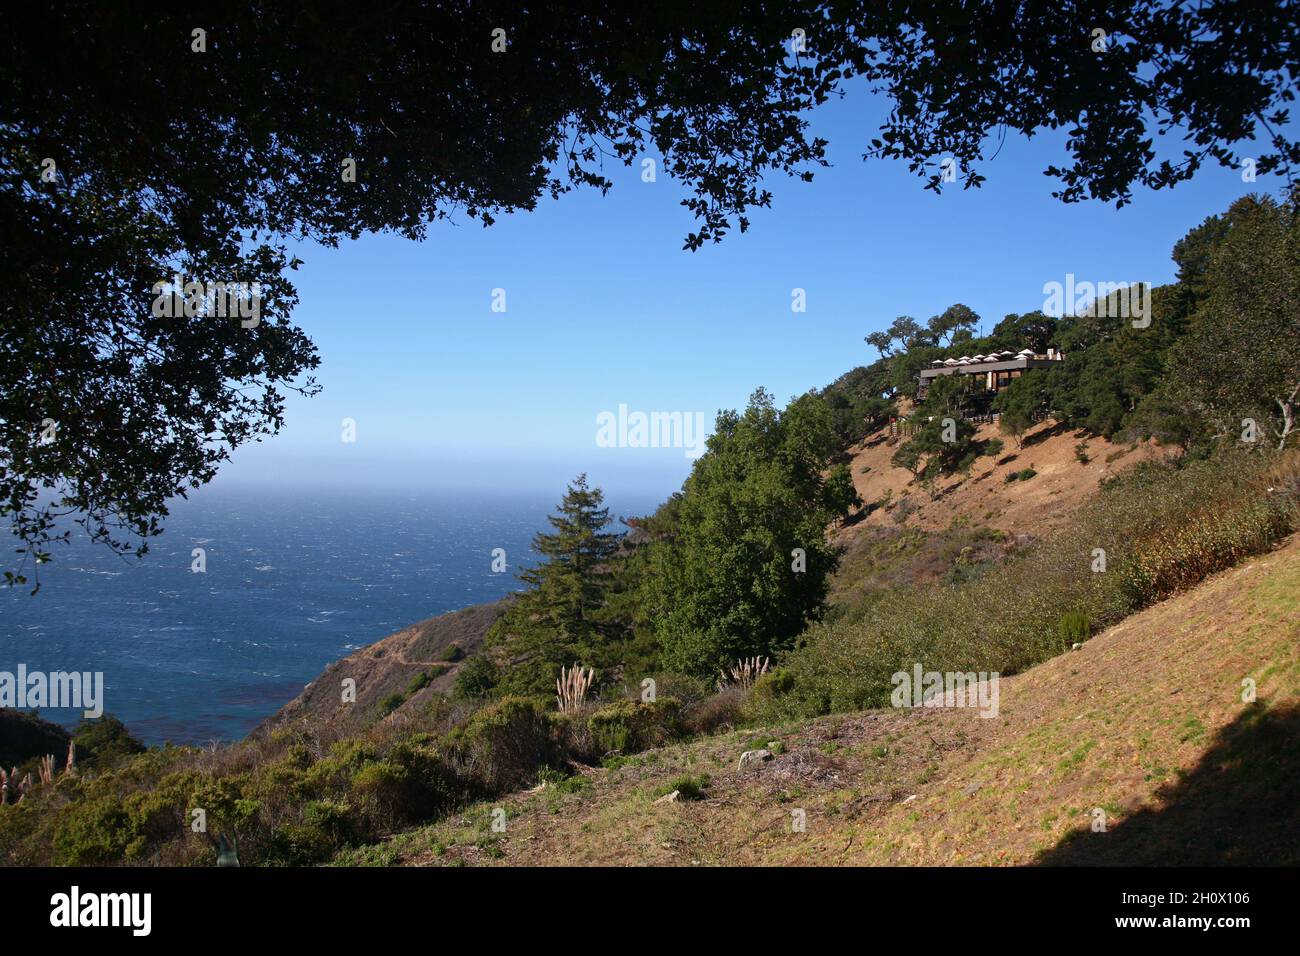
(1146, 722)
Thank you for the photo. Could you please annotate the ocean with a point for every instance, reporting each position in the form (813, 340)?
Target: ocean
(292, 582)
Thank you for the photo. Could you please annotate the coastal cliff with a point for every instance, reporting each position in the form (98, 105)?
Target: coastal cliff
(397, 674)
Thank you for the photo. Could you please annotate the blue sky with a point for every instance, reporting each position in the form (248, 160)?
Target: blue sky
(604, 308)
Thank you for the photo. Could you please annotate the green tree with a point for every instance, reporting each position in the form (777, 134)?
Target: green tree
(1240, 358)
(947, 396)
(908, 455)
(477, 677)
(954, 319)
(747, 565)
(560, 620)
(948, 443)
(1030, 330)
(1018, 403)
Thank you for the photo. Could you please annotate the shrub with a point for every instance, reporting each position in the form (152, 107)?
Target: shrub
(507, 743)
(298, 844)
(720, 711)
(630, 726)
(688, 787)
(452, 653)
(681, 687)
(904, 509)
(1023, 474)
(1162, 527)
(1178, 558)
(477, 678)
(326, 826)
(1073, 628)
(764, 699)
(102, 741)
(94, 834)
(423, 680)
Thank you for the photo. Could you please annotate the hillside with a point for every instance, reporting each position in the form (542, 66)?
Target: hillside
(985, 497)
(420, 653)
(1146, 721)
(25, 736)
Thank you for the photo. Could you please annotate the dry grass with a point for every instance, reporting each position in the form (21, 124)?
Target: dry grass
(985, 498)
(1145, 722)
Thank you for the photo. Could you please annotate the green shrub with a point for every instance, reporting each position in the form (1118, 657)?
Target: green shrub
(452, 653)
(506, 744)
(764, 699)
(297, 844)
(630, 726)
(1024, 474)
(477, 678)
(1178, 558)
(688, 787)
(390, 703)
(327, 826)
(681, 687)
(94, 834)
(1073, 628)
(423, 679)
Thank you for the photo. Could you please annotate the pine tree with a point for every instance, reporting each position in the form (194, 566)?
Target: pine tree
(560, 620)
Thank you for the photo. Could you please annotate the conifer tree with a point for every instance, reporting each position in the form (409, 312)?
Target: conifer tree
(561, 619)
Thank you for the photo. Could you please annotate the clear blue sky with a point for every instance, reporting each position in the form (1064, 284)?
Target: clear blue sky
(605, 307)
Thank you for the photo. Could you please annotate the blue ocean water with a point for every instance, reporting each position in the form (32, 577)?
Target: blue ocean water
(293, 582)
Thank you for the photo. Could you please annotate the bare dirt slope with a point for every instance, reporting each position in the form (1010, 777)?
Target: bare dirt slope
(985, 497)
(388, 667)
(1143, 729)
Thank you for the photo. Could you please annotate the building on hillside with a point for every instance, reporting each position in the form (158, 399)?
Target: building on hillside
(989, 374)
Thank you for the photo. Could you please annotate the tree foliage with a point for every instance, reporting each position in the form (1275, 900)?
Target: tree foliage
(560, 620)
(1019, 402)
(747, 565)
(151, 152)
(1240, 359)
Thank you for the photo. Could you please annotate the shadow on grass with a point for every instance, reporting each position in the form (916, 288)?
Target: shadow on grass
(1239, 806)
(1057, 428)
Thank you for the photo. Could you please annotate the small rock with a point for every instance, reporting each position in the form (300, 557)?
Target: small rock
(972, 789)
(909, 799)
(669, 798)
(750, 757)
(1075, 647)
